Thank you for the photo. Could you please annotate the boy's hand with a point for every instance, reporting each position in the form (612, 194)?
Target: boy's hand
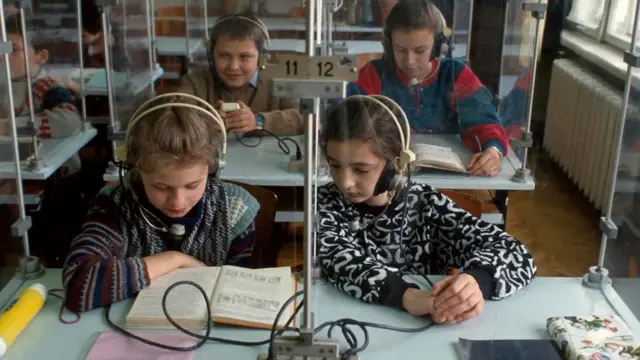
(242, 120)
(457, 298)
(487, 163)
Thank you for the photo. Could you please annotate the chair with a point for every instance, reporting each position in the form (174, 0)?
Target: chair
(465, 201)
(264, 222)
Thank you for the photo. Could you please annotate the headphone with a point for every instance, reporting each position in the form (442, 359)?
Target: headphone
(176, 230)
(393, 178)
(208, 110)
(441, 41)
(209, 42)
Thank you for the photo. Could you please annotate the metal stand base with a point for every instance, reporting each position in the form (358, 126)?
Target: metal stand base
(596, 278)
(36, 164)
(29, 268)
(86, 126)
(293, 348)
(316, 275)
(522, 175)
(112, 168)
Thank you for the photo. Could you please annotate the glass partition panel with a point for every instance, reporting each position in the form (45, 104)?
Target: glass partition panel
(517, 66)
(133, 73)
(462, 17)
(197, 25)
(11, 248)
(622, 256)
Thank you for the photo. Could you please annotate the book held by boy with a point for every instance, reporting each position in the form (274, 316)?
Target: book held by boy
(596, 337)
(237, 296)
(438, 158)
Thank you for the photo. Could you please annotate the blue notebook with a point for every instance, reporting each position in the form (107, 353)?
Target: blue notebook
(508, 350)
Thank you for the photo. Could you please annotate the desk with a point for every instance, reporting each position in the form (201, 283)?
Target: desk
(521, 316)
(135, 84)
(53, 152)
(266, 165)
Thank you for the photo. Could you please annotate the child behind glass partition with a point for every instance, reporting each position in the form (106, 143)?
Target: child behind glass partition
(360, 225)
(236, 44)
(126, 242)
(53, 103)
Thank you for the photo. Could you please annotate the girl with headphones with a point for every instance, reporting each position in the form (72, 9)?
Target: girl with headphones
(439, 94)
(237, 44)
(376, 226)
(170, 211)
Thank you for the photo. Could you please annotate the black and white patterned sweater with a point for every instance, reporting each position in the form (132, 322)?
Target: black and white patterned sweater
(438, 237)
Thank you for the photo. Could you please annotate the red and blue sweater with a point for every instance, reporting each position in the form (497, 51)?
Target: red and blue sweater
(451, 100)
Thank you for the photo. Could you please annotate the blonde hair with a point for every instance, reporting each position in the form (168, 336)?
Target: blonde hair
(171, 137)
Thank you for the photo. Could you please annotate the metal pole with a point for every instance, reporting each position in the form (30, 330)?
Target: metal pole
(81, 62)
(151, 49)
(14, 137)
(619, 135)
(108, 70)
(186, 28)
(532, 79)
(206, 19)
(125, 42)
(307, 319)
(27, 66)
(153, 31)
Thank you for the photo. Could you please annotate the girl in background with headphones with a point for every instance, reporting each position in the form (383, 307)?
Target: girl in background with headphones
(236, 44)
(372, 232)
(170, 211)
(439, 94)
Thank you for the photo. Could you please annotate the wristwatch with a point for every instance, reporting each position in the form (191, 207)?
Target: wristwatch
(259, 122)
(498, 150)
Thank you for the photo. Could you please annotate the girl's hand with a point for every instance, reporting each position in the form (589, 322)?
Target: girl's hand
(457, 298)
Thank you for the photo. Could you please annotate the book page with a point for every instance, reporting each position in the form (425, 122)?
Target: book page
(253, 296)
(438, 156)
(184, 301)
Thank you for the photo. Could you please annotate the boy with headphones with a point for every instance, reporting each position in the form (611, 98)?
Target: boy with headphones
(439, 94)
(170, 211)
(236, 46)
(375, 225)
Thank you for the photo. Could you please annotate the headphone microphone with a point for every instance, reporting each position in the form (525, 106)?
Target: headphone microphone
(177, 230)
(355, 226)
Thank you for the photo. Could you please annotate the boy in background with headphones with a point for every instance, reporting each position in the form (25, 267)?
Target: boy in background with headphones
(169, 212)
(375, 227)
(439, 94)
(235, 48)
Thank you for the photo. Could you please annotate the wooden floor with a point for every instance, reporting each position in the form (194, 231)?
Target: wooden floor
(555, 221)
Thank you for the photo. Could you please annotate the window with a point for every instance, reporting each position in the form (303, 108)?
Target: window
(587, 14)
(620, 25)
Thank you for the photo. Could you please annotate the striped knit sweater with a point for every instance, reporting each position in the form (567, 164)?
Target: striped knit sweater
(105, 263)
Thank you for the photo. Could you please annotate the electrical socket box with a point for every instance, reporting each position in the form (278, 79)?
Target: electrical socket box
(226, 107)
(296, 165)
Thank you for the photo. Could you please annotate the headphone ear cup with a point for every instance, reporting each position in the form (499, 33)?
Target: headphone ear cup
(386, 179)
(436, 50)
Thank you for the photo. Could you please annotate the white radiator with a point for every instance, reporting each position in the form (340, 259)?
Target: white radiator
(583, 118)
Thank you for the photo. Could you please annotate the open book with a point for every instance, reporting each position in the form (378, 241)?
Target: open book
(437, 157)
(238, 296)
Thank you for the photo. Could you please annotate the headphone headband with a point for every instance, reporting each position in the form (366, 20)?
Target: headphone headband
(406, 155)
(256, 21)
(142, 111)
